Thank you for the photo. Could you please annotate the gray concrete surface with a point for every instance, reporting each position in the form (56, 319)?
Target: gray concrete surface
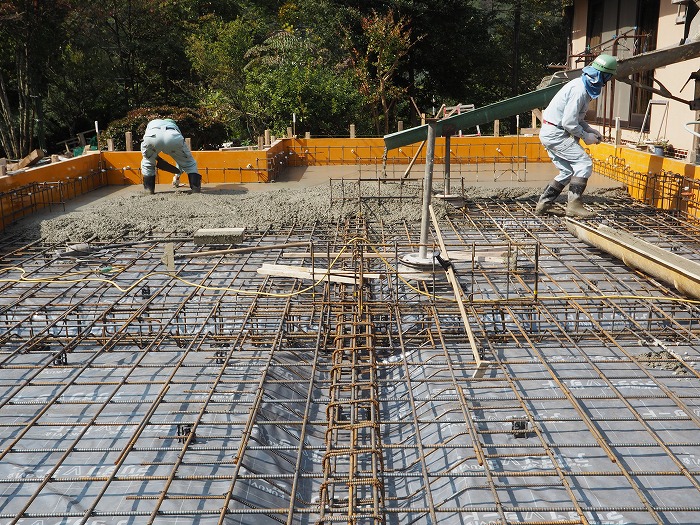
(300, 195)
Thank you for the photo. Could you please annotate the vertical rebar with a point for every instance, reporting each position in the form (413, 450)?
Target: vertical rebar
(427, 190)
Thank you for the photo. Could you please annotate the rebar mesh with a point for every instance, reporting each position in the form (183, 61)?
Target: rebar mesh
(215, 394)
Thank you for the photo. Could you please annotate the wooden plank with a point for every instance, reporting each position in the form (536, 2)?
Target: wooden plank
(481, 365)
(31, 159)
(338, 255)
(319, 271)
(247, 249)
(413, 160)
(301, 272)
(490, 256)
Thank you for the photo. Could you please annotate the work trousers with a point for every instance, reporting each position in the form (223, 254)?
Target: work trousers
(167, 140)
(567, 154)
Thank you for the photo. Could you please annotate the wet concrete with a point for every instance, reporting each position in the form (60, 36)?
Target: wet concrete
(300, 195)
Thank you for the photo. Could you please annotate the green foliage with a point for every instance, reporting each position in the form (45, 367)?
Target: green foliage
(224, 111)
(27, 41)
(123, 55)
(217, 49)
(385, 42)
(454, 56)
(287, 75)
(540, 36)
(80, 92)
(243, 66)
(322, 21)
(522, 38)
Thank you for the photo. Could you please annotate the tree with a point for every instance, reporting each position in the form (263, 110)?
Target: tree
(27, 42)
(144, 41)
(385, 42)
(217, 49)
(124, 55)
(289, 74)
(251, 65)
(525, 36)
(451, 59)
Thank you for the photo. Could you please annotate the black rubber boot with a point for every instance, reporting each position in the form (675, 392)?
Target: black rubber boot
(575, 207)
(149, 184)
(545, 206)
(195, 182)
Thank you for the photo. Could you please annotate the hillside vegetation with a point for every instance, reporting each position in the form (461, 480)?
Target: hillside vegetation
(229, 69)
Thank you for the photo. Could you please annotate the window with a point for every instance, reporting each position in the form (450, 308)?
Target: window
(594, 38)
(594, 35)
(647, 27)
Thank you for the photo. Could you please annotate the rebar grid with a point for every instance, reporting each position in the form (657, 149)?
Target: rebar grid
(663, 189)
(30, 198)
(252, 399)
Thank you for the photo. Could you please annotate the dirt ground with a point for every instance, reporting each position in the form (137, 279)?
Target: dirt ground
(301, 195)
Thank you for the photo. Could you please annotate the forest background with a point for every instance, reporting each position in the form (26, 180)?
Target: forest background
(227, 70)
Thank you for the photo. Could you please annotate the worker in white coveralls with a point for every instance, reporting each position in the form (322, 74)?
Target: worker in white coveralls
(563, 125)
(163, 135)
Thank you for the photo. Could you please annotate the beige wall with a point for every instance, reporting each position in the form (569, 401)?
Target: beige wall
(578, 37)
(670, 124)
(673, 77)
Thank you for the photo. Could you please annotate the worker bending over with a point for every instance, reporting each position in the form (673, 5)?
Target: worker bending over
(163, 135)
(563, 124)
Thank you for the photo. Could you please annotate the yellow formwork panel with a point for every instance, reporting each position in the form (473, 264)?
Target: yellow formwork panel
(643, 161)
(663, 182)
(54, 172)
(25, 192)
(124, 167)
(343, 151)
(334, 151)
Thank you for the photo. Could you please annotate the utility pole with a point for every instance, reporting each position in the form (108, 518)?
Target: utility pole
(515, 74)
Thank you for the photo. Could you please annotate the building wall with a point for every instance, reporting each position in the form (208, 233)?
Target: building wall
(673, 77)
(665, 121)
(578, 33)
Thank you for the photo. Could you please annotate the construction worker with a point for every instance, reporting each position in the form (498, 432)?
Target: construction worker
(163, 135)
(563, 125)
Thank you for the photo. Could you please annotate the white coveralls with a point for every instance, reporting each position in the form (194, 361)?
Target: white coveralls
(564, 124)
(562, 128)
(164, 136)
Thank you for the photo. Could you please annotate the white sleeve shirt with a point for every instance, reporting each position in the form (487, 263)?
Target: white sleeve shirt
(567, 110)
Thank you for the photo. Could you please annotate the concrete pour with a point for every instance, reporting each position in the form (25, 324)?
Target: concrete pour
(129, 213)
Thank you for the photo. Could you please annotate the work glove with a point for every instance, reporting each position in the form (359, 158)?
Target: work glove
(598, 134)
(590, 138)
